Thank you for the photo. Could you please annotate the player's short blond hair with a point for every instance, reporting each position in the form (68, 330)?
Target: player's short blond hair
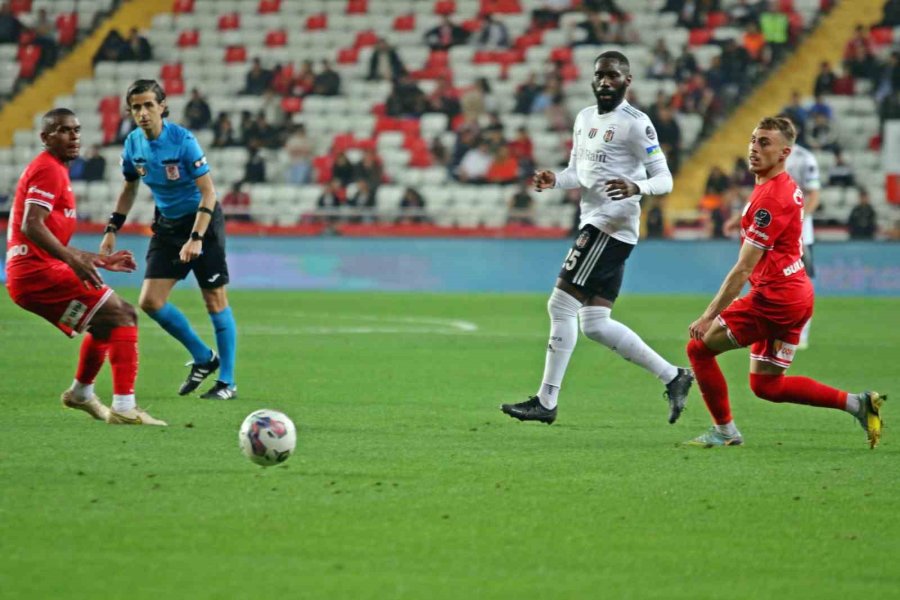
(780, 124)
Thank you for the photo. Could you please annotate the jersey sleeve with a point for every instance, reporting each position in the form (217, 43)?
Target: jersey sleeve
(45, 186)
(811, 178)
(193, 156)
(645, 144)
(128, 171)
(764, 222)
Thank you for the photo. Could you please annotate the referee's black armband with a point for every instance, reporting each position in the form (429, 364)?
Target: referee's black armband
(116, 220)
(203, 209)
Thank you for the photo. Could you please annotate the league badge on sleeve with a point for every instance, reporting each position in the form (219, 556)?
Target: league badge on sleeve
(650, 133)
(172, 173)
(762, 218)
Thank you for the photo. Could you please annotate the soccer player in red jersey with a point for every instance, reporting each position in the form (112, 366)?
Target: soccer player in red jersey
(61, 284)
(770, 318)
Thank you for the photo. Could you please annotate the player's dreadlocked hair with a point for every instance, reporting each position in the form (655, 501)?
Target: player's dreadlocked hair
(51, 117)
(781, 124)
(617, 56)
(142, 86)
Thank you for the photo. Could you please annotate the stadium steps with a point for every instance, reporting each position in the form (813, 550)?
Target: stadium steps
(798, 72)
(60, 80)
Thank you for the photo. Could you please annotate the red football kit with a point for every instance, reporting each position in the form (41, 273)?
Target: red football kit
(769, 319)
(37, 281)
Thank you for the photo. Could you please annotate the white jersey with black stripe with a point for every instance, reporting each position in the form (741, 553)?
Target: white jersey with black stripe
(803, 168)
(619, 144)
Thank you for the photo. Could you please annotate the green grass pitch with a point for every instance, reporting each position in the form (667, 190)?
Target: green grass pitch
(408, 482)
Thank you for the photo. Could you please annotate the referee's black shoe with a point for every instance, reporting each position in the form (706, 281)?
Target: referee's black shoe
(221, 391)
(530, 410)
(198, 374)
(677, 392)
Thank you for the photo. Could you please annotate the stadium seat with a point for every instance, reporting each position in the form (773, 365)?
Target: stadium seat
(17, 7)
(357, 7)
(171, 71)
(235, 54)
(183, 6)
(276, 38)
(188, 38)
(67, 28)
(699, 37)
(268, 7)
(444, 7)
(174, 87)
(316, 22)
(405, 22)
(28, 57)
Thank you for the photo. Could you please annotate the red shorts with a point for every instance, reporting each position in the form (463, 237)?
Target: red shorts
(59, 296)
(771, 329)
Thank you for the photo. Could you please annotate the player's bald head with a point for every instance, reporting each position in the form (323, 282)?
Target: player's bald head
(52, 119)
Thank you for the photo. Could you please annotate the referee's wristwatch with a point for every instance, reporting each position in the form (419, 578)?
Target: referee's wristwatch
(195, 236)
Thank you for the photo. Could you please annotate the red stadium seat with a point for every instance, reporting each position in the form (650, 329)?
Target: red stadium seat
(170, 71)
(111, 129)
(892, 188)
(183, 6)
(569, 72)
(111, 119)
(378, 109)
(188, 38)
(67, 28)
(365, 38)
(235, 54)
(357, 7)
(319, 21)
(276, 38)
(445, 7)
(699, 37)
(786, 6)
(27, 36)
(472, 25)
(29, 56)
(291, 104)
(229, 21)
(529, 39)
(268, 6)
(173, 87)
(322, 166)
(405, 23)
(716, 19)
(109, 105)
(562, 54)
(510, 7)
(881, 36)
(348, 56)
(20, 6)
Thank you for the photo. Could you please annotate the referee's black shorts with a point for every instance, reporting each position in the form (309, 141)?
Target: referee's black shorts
(169, 235)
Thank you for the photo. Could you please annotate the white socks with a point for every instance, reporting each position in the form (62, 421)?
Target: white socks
(82, 391)
(597, 325)
(728, 429)
(123, 402)
(853, 404)
(563, 310)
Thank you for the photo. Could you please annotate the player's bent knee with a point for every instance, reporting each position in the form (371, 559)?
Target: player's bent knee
(766, 386)
(697, 349)
(150, 305)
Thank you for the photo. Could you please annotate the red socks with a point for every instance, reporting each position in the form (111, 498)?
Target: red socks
(90, 358)
(123, 357)
(796, 390)
(711, 381)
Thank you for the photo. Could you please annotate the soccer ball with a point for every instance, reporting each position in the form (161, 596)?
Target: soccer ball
(267, 437)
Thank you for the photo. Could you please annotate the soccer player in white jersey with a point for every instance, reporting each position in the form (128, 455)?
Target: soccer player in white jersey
(615, 160)
(803, 168)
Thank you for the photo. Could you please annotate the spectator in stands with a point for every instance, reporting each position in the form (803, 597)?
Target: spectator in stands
(859, 41)
(475, 100)
(595, 30)
(76, 168)
(862, 222)
(257, 80)
(475, 164)
(10, 26)
(891, 14)
(889, 77)
(662, 65)
(862, 65)
(525, 94)
(327, 82)
(522, 148)
(406, 99)
(754, 43)
(333, 197)
(693, 13)
(444, 99)
(136, 47)
(717, 182)
(820, 107)
(236, 203)
(824, 80)
(255, 169)
(94, 165)
(656, 222)
(504, 167)
(385, 64)
(466, 139)
(412, 208)
(607, 6)
(550, 93)
(493, 34)
(439, 152)
(197, 113)
(44, 31)
(342, 169)
(821, 135)
(370, 168)
(363, 202)
(685, 64)
(547, 15)
(890, 108)
(795, 111)
(841, 172)
(669, 134)
(741, 175)
(559, 119)
(282, 79)
(300, 152)
(744, 13)
(223, 132)
(445, 35)
(520, 206)
(260, 133)
(126, 126)
(775, 27)
(304, 81)
(111, 48)
(734, 65)
(844, 84)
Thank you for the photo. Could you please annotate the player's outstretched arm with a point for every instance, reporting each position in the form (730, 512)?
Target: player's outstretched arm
(731, 287)
(82, 263)
(123, 207)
